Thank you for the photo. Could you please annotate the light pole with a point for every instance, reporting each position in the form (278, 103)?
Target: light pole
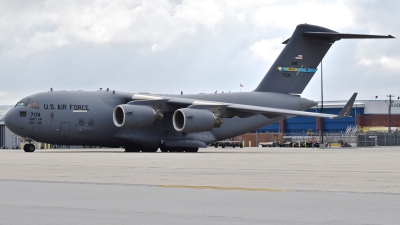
(389, 111)
(322, 107)
(355, 115)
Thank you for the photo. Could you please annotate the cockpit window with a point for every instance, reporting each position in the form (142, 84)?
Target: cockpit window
(20, 104)
(35, 105)
(32, 105)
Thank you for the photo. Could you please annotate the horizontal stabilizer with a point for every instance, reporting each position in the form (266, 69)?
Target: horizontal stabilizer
(338, 36)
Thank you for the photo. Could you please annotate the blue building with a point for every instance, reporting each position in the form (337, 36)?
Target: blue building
(303, 124)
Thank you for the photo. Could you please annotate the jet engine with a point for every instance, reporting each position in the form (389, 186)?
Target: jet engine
(195, 120)
(135, 116)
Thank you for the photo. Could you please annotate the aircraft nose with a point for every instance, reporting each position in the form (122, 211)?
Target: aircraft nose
(11, 120)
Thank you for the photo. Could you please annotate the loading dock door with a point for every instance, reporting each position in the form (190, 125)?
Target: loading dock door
(64, 130)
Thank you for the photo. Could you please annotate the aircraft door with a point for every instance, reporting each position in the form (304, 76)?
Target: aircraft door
(64, 130)
(35, 130)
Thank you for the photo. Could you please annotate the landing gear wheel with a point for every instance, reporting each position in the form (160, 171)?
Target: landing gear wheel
(149, 149)
(179, 149)
(131, 149)
(164, 149)
(29, 148)
(176, 149)
(191, 149)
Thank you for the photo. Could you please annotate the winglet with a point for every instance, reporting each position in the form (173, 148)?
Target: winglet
(347, 108)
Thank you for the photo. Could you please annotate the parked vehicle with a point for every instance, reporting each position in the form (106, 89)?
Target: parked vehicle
(346, 145)
(306, 144)
(225, 143)
(298, 144)
(288, 144)
(269, 144)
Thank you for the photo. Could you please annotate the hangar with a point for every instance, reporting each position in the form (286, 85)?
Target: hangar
(8, 140)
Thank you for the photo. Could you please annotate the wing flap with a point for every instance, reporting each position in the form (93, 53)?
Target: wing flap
(275, 111)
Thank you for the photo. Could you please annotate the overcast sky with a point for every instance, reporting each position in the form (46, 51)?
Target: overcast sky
(190, 46)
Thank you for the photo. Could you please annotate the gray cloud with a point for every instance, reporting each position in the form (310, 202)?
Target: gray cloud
(189, 46)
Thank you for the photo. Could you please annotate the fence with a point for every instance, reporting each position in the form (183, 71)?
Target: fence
(327, 138)
(378, 139)
(359, 140)
(254, 139)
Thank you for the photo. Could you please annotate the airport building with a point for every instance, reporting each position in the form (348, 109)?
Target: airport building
(367, 126)
(8, 140)
(365, 113)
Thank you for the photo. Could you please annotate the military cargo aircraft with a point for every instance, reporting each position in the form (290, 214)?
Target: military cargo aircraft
(146, 122)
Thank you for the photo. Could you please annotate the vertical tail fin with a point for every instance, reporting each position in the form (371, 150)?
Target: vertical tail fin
(298, 61)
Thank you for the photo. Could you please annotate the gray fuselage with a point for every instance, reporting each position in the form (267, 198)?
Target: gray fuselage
(86, 118)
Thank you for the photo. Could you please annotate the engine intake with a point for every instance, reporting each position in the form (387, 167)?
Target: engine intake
(195, 120)
(135, 116)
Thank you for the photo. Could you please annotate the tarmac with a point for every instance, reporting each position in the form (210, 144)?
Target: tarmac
(213, 186)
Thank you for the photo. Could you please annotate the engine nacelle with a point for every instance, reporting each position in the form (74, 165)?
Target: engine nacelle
(195, 120)
(135, 116)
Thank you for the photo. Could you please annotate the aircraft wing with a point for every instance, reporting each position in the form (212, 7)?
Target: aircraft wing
(275, 111)
(345, 112)
(241, 110)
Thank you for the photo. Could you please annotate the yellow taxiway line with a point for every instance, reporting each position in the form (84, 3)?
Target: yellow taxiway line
(225, 188)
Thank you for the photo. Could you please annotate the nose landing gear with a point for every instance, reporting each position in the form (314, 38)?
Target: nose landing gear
(29, 148)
